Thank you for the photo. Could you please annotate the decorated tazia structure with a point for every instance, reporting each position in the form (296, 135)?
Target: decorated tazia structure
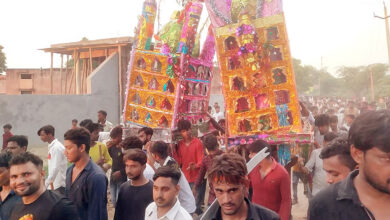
(169, 79)
(256, 71)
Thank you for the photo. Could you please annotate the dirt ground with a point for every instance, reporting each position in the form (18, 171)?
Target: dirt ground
(298, 210)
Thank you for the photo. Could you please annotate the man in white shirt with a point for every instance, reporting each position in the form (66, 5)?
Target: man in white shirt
(166, 205)
(315, 165)
(218, 115)
(56, 160)
(159, 151)
(102, 119)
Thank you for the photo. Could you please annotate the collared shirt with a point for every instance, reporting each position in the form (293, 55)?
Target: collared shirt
(8, 204)
(88, 191)
(186, 197)
(57, 164)
(338, 202)
(315, 166)
(107, 126)
(255, 212)
(191, 153)
(175, 213)
(273, 190)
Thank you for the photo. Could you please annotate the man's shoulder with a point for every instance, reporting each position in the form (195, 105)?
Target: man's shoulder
(325, 199)
(196, 141)
(282, 171)
(95, 172)
(263, 213)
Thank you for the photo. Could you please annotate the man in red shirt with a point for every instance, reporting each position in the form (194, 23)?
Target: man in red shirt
(7, 134)
(270, 183)
(189, 155)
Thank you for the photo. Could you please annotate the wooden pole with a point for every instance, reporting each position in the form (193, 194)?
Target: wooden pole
(62, 63)
(77, 71)
(51, 73)
(120, 76)
(90, 60)
(71, 79)
(66, 74)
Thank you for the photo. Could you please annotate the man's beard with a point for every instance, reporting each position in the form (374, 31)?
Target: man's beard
(370, 180)
(31, 190)
(135, 178)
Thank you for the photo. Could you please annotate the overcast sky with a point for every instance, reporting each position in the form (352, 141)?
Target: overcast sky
(343, 32)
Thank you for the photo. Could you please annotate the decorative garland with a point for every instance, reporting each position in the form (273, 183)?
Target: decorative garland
(219, 14)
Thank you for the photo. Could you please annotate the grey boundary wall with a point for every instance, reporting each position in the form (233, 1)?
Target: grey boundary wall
(27, 113)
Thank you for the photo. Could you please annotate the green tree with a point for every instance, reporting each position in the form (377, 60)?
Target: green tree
(3, 60)
(357, 80)
(305, 77)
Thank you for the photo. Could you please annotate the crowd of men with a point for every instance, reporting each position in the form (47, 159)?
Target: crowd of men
(345, 172)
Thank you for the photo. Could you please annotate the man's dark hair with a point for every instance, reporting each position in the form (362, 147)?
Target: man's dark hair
(24, 158)
(160, 148)
(93, 127)
(85, 122)
(322, 120)
(116, 132)
(79, 136)
(21, 140)
(9, 126)
(350, 116)
(333, 119)
(168, 172)
(258, 145)
(132, 142)
(229, 168)
(210, 142)
(339, 147)
(136, 155)
(328, 137)
(74, 120)
(5, 158)
(371, 129)
(103, 113)
(146, 130)
(48, 129)
(183, 125)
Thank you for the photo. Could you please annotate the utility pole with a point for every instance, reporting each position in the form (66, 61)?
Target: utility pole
(386, 18)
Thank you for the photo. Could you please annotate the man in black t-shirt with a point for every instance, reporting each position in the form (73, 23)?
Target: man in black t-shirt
(27, 180)
(118, 172)
(136, 194)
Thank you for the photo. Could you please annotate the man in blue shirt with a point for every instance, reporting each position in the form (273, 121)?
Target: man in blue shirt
(86, 183)
(8, 198)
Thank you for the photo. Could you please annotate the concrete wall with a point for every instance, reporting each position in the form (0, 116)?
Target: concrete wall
(40, 82)
(27, 113)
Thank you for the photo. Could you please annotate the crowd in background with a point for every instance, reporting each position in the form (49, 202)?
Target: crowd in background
(342, 170)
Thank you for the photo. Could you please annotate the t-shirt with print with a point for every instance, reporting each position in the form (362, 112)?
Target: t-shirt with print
(49, 206)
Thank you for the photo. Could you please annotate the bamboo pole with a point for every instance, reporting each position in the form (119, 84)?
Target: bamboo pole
(62, 63)
(67, 72)
(51, 73)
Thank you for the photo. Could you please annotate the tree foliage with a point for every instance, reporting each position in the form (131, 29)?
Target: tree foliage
(3, 60)
(349, 82)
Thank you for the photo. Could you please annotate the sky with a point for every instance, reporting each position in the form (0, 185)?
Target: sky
(342, 32)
